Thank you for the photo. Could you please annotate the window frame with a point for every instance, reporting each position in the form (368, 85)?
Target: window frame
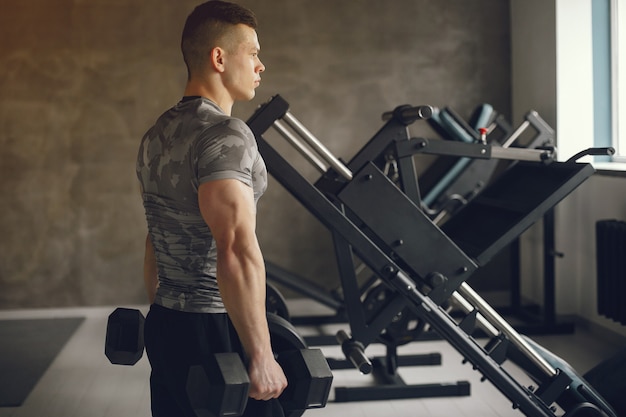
(618, 79)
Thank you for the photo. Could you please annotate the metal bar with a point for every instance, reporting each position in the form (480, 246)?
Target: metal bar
(314, 143)
(267, 113)
(520, 154)
(444, 148)
(302, 285)
(497, 321)
(467, 308)
(351, 290)
(509, 141)
(385, 392)
(516, 279)
(545, 132)
(408, 179)
(529, 404)
(296, 143)
(471, 150)
(549, 268)
(376, 148)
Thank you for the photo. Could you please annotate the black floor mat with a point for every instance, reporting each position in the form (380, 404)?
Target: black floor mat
(27, 348)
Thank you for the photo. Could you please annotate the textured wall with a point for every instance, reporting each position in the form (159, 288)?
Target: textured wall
(80, 81)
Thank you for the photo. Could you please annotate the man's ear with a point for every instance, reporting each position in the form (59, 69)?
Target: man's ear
(217, 58)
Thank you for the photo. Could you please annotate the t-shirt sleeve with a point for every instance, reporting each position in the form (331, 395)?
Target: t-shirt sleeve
(226, 151)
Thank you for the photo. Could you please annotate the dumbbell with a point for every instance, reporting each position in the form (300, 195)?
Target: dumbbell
(124, 337)
(219, 387)
(309, 377)
(124, 345)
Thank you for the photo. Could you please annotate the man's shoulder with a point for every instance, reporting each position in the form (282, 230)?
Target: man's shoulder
(206, 113)
(228, 126)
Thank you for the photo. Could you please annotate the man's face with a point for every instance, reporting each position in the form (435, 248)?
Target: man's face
(243, 67)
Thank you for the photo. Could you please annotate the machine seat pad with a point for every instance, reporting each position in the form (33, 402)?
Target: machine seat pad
(579, 387)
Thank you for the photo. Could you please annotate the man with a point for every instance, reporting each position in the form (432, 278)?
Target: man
(201, 175)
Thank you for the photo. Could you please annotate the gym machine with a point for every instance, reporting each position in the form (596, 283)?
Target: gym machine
(443, 183)
(449, 186)
(444, 187)
(423, 267)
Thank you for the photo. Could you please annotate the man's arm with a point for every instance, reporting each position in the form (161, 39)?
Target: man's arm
(228, 208)
(150, 278)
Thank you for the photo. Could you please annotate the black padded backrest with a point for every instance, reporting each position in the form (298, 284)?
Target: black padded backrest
(515, 201)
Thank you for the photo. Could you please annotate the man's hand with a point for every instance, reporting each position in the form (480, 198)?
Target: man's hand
(267, 379)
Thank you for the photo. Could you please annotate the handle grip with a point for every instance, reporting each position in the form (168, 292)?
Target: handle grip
(592, 151)
(355, 352)
(406, 114)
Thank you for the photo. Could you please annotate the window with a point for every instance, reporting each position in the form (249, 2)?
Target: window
(618, 77)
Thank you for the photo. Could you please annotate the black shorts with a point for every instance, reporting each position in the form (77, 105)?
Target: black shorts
(174, 341)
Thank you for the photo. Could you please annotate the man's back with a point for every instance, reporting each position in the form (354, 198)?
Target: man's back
(191, 143)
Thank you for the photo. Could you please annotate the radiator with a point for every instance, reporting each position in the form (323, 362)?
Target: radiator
(611, 269)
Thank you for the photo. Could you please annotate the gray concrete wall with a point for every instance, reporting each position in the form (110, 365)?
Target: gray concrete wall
(80, 81)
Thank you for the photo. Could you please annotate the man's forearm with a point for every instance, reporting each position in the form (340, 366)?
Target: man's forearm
(241, 279)
(242, 284)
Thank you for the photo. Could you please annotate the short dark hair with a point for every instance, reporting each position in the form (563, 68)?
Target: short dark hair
(205, 27)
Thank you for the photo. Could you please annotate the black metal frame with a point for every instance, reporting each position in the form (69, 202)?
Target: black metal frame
(344, 231)
(425, 273)
(393, 145)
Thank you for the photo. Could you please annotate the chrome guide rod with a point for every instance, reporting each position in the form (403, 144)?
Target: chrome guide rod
(496, 320)
(314, 143)
(300, 147)
(480, 319)
(509, 141)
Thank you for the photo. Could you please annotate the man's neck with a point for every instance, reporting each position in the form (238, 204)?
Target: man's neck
(222, 99)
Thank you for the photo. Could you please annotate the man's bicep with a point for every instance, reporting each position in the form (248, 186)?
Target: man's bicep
(226, 204)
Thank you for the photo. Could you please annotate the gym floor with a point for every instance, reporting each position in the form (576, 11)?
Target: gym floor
(82, 383)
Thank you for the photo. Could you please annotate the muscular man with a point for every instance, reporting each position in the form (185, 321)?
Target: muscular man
(201, 175)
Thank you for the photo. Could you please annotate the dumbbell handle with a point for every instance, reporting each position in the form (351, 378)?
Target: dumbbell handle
(354, 352)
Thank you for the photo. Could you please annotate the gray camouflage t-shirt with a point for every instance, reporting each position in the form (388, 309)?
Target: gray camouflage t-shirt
(191, 143)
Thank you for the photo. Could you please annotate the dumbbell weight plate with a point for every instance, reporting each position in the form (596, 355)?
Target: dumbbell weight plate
(283, 334)
(224, 386)
(124, 337)
(405, 326)
(310, 380)
(307, 370)
(275, 302)
(284, 338)
(220, 386)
